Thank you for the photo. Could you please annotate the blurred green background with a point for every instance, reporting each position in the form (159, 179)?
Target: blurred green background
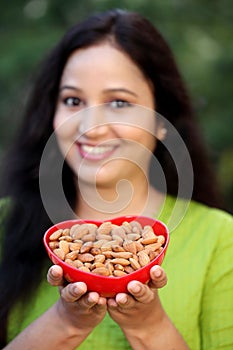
(199, 32)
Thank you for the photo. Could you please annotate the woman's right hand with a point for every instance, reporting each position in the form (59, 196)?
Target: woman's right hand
(81, 309)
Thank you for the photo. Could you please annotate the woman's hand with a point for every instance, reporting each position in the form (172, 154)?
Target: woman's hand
(141, 307)
(79, 308)
(142, 317)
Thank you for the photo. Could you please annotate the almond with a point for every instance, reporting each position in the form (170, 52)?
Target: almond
(76, 245)
(110, 267)
(66, 238)
(130, 246)
(103, 271)
(53, 245)
(133, 236)
(86, 257)
(66, 232)
(95, 251)
(99, 258)
(99, 243)
(65, 246)
(89, 237)
(117, 248)
(134, 263)
(143, 258)
(74, 263)
(78, 231)
(119, 267)
(56, 235)
(126, 226)
(119, 273)
(97, 264)
(161, 239)
(119, 232)
(105, 228)
(121, 261)
(59, 253)
(150, 239)
(86, 247)
(128, 269)
(124, 255)
(72, 255)
(136, 224)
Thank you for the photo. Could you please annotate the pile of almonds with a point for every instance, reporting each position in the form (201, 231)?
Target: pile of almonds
(107, 250)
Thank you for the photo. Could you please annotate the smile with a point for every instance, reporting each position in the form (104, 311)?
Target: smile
(95, 152)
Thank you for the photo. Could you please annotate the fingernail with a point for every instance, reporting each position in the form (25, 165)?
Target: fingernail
(123, 300)
(137, 288)
(75, 290)
(54, 272)
(157, 272)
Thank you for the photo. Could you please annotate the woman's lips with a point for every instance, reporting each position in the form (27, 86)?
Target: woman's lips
(92, 152)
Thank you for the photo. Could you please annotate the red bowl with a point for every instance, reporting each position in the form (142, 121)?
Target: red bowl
(108, 286)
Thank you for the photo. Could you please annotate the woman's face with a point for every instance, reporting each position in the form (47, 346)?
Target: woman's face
(102, 130)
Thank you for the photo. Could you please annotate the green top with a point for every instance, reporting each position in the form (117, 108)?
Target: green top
(199, 295)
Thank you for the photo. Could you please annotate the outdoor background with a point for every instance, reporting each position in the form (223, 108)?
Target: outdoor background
(200, 32)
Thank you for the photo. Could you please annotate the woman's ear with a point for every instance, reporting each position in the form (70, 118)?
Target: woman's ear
(161, 132)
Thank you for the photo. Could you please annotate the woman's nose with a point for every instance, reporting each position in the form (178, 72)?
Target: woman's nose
(93, 122)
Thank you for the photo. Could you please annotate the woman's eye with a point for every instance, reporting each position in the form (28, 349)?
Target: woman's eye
(72, 101)
(119, 104)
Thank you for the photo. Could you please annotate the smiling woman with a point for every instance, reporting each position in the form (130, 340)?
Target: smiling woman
(109, 121)
(102, 79)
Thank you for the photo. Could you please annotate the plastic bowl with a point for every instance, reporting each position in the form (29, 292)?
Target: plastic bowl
(108, 286)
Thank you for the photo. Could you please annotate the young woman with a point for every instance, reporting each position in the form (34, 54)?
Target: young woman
(109, 103)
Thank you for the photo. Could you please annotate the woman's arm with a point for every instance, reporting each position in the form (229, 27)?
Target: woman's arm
(67, 323)
(142, 318)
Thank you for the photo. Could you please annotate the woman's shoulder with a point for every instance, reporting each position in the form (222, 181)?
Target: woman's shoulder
(185, 214)
(211, 215)
(201, 229)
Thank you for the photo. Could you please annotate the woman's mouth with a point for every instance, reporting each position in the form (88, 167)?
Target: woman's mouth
(91, 152)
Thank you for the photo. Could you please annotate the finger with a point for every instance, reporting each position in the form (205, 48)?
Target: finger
(158, 277)
(55, 275)
(124, 300)
(73, 291)
(112, 304)
(102, 301)
(92, 299)
(141, 292)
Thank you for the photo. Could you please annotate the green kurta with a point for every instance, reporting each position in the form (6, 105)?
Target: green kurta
(199, 295)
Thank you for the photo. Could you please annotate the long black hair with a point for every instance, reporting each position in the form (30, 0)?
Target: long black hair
(27, 219)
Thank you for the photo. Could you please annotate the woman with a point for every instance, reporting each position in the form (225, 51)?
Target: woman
(104, 74)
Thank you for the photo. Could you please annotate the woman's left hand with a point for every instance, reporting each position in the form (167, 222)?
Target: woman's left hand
(142, 305)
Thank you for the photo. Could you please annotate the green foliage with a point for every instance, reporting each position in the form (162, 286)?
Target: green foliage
(199, 32)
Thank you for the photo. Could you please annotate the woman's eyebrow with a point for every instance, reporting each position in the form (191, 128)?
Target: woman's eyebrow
(69, 87)
(109, 90)
(121, 90)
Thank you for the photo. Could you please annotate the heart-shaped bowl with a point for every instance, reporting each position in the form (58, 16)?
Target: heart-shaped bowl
(108, 286)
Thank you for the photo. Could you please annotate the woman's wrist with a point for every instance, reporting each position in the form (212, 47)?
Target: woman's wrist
(69, 324)
(157, 335)
(138, 336)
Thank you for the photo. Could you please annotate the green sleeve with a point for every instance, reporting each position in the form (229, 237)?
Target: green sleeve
(217, 301)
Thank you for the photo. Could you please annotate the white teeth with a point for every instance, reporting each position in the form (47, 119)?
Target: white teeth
(96, 149)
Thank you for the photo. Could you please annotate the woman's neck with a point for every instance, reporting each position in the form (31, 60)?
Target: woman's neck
(123, 199)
